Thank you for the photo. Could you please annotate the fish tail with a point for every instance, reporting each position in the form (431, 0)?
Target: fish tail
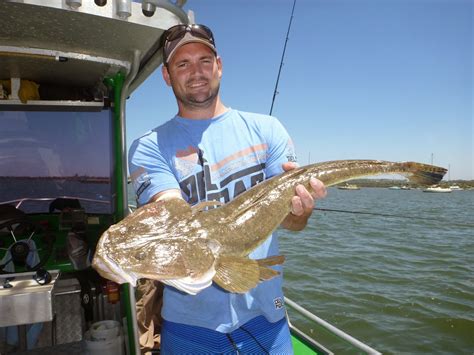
(424, 174)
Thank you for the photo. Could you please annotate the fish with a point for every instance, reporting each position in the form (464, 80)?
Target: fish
(190, 247)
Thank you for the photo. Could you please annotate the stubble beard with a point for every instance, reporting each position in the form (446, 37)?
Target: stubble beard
(199, 100)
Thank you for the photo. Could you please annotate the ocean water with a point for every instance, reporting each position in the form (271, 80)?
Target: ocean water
(401, 285)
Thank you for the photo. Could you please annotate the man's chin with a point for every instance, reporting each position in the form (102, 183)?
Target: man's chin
(201, 100)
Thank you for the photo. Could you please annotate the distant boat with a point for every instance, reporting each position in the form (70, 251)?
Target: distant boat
(455, 188)
(349, 187)
(437, 189)
(404, 187)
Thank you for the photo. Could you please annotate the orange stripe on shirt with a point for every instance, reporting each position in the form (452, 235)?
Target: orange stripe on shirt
(242, 153)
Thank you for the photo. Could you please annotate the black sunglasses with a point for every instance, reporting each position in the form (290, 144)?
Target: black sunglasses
(174, 34)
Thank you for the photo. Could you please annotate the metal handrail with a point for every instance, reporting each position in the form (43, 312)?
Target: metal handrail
(336, 331)
(19, 201)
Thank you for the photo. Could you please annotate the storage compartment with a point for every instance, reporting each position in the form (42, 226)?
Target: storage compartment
(69, 315)
(25, 299)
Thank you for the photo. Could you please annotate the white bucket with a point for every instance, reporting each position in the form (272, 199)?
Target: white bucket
(104, 338)
(105, 330)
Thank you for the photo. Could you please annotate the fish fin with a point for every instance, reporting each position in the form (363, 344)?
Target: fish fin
(237, 274)
(202, 205)
(265, 272)
(271, 260)
(190, 284)
(424, 174)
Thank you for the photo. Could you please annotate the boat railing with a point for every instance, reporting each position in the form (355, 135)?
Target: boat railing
(336, 331)
(19, 201)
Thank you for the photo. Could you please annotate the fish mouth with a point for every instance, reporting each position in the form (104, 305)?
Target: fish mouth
(112, 271)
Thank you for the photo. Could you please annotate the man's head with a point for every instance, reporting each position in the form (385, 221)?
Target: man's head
(180, 35)
(193, 69)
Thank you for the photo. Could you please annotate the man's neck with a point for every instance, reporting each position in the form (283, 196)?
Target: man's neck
(202, 113)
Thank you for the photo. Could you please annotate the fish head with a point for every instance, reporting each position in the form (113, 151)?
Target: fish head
(154, 242)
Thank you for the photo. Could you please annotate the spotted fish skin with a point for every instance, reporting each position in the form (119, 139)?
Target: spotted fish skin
(190, 247)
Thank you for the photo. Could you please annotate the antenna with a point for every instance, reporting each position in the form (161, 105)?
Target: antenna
(275, 92)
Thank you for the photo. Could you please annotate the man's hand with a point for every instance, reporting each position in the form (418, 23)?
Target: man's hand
(302, 203)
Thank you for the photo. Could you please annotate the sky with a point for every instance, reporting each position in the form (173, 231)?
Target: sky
(361, 79)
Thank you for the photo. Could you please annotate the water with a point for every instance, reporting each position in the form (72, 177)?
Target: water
(401, 285)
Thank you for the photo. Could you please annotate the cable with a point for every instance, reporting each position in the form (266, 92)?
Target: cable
(234, 345)
(255, 339)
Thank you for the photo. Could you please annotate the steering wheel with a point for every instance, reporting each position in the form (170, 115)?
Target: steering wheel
(15, 237)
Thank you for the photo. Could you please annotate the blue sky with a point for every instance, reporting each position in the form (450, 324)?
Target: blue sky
(375, 79)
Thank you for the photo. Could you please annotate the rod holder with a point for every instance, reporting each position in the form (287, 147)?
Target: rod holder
(124, 8)
(75, 4)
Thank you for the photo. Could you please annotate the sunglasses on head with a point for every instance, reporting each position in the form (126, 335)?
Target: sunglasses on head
(174, 34)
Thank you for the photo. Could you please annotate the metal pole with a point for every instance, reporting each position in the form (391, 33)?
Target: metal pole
(351, 340)
(123, 97)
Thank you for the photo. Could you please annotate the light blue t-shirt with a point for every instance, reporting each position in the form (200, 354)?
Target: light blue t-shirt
(215, 159)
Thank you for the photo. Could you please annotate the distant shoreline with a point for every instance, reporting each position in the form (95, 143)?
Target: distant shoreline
(383, 183)
(86, 179)
(464, 184)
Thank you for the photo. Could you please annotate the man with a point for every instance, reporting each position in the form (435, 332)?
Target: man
(209, 151)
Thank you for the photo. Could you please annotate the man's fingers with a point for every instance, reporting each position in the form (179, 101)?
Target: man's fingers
(319, 190)
(289, 165)
(307, 201)
(302, 203)
(296, 206)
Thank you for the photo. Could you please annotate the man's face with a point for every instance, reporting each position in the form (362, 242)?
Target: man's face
(194, 73)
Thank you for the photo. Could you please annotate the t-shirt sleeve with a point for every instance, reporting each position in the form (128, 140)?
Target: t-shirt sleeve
(150, 171)
(280, 148)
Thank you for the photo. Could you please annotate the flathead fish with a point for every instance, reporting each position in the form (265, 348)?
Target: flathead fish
(191, 247)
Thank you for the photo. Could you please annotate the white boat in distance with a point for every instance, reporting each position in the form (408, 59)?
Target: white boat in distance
(404, 187)
(349, 187)
(437, 189)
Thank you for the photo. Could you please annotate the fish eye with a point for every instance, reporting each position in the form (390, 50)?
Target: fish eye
(140, 256)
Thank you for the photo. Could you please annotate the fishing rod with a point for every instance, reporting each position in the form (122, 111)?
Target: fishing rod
(275, 92)
(394, 216)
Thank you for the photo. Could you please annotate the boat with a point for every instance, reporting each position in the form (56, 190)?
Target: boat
(437, 189)
(65, 78)
(403, 187)
(455, 188)
(348, 187)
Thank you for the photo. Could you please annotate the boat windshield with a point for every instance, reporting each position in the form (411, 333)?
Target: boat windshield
(56, 155)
